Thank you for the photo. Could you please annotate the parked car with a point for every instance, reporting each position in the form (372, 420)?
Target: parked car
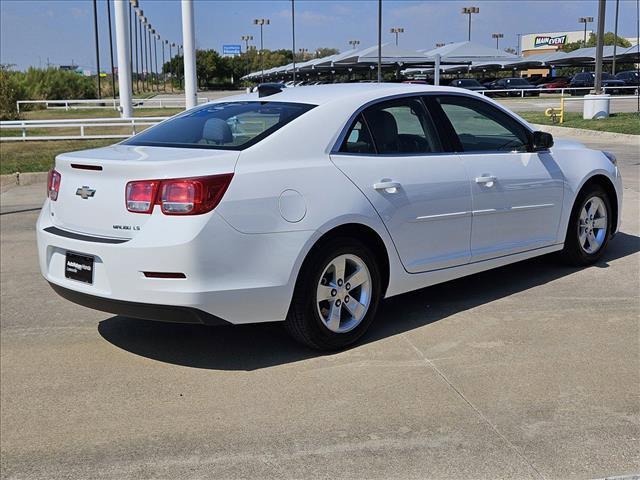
(631, 78)
(468, 84)
(515, 85)
(416, 82)
(311, 205)
(587, 79)
(555, 86)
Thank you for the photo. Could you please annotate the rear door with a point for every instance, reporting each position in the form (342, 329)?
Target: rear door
(517, 194)
(393, 154)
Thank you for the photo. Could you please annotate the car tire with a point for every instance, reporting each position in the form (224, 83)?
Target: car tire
(320, 315)
(587, 234)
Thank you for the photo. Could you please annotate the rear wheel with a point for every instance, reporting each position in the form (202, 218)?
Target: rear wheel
(589, 227)
(336, 296)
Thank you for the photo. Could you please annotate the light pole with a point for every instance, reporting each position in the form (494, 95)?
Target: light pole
(497, 36)
(470, 11)
(585, 20)
(113, 73)
(615, 39)
(518, 44)
(262, 22)
(171, 64)
(293, 38)
(164, 77)
(599, 46)
(438, 45)
(132, 4)
(156, 36)
(354, 43)
(135, 37)
(397, 31)
(95, 31)
(379, 41)
(149, 30)
(246, 39)
(124, 61)
(303, 52)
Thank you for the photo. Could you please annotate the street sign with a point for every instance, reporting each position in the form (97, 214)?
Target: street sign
(231, 49)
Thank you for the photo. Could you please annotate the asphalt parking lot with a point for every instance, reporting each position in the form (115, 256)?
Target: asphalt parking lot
(529, 371)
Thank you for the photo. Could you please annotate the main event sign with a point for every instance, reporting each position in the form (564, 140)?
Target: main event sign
(550, 41)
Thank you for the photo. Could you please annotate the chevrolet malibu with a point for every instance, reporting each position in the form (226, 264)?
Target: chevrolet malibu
(310, 205)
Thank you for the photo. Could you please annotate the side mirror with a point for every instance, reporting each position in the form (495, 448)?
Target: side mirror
(541, 141)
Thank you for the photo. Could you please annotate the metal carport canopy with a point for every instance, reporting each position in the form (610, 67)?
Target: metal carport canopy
(467, 52)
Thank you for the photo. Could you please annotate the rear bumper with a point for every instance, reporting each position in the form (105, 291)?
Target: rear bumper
(229, 276)
(146, 311)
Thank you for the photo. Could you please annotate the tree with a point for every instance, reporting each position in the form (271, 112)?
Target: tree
(609, 39)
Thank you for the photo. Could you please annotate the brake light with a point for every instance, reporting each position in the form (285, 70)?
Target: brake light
(53, 184)
(180, 196)
(141, 195)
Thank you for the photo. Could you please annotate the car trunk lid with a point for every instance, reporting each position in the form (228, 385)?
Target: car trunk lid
(91, 199)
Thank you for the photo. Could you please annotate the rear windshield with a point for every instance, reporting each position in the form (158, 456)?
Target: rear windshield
(469, 82)
(224, 126)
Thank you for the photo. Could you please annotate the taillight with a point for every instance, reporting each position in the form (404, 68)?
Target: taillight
(141, 195)
(53, 184)
(181, 196)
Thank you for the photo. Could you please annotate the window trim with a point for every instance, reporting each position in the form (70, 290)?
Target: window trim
(335, 149)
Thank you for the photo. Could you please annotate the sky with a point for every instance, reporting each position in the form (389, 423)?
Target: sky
(34, 33)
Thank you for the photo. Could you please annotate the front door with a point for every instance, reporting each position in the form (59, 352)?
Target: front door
(517, 194)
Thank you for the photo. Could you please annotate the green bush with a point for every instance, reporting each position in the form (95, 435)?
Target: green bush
(11, 90)
(54, 84)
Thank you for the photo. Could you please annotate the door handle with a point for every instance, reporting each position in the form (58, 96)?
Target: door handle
(487, 180)
(387, 185)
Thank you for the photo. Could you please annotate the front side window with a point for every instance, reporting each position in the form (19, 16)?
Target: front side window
(482, 127)
(224, 126)
(402, 127)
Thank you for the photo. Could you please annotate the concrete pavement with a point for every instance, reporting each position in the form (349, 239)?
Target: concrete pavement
(529, 371)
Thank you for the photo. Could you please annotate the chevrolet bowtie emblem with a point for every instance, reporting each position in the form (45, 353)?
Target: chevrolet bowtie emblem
(85, 192)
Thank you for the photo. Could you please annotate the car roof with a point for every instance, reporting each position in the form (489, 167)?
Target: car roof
(324, 94)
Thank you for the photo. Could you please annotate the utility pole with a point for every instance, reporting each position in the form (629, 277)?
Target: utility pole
(95, 31)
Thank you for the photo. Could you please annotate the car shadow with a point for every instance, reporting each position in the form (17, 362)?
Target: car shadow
(252, 347)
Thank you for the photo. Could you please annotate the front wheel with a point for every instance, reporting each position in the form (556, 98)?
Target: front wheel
(589, 227)
(336, 295)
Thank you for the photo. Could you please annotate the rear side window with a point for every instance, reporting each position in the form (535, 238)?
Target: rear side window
(358, 140)
(224, 126)
(482, 127)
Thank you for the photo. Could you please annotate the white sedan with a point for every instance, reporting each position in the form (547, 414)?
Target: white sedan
(310, 205)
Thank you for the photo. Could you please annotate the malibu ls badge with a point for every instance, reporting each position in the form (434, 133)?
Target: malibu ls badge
(85, 192)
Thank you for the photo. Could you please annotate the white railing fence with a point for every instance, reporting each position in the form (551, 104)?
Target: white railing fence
(564, 92)
(110, 103)
(81, 124)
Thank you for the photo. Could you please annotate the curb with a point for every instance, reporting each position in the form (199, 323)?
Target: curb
(581, 132)
(12, 180)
